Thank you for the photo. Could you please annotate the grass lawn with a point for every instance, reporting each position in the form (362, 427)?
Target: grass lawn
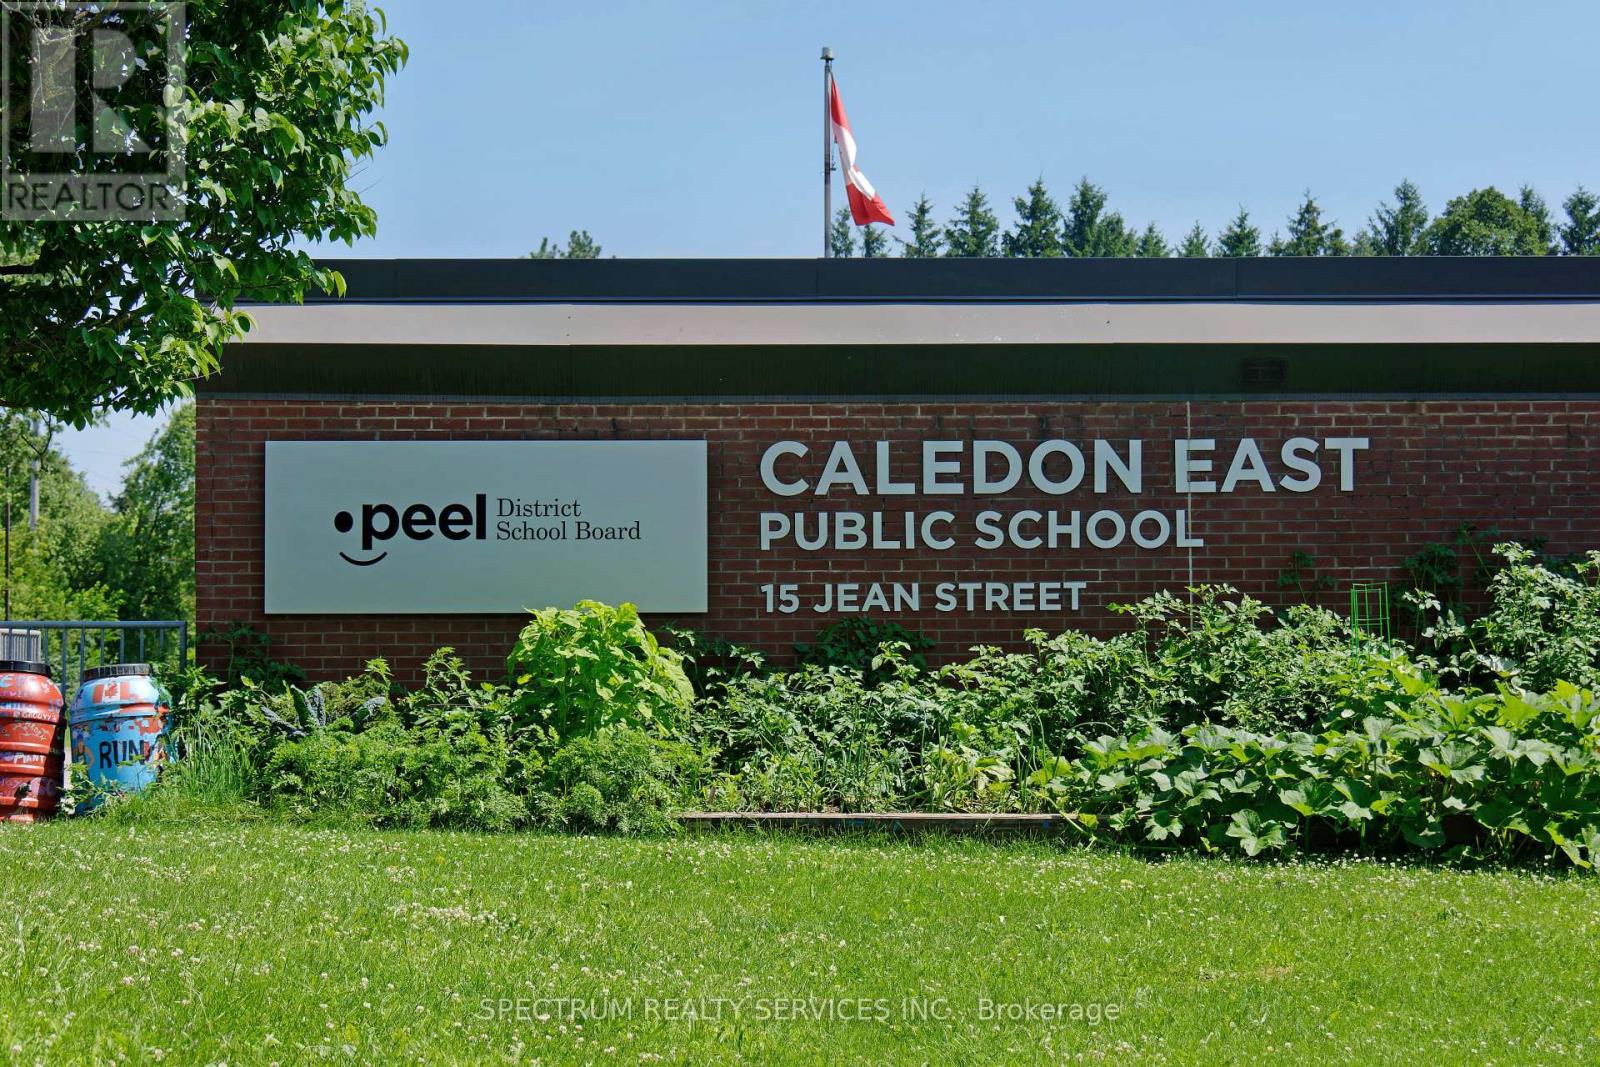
(210, 941)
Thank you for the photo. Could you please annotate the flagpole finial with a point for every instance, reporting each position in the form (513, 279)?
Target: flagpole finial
(827, 150)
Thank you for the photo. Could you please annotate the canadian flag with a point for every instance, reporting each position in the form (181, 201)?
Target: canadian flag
(865, 204)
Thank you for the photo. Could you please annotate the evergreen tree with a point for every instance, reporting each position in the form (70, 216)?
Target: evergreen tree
(1398, 230)
(1365, 244)
(581, 246)
(1151, 244)
(1196, 245)
(842, 238)
(874, 244)
(974, 231)
(1038, 229)
(927, 239)
(1309, 235)
(1240, 238)
(1484, 222)
(1580, 236)
(1090, 230)
(1539, 212)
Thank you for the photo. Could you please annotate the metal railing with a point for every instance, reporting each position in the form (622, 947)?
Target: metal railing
(72, 647)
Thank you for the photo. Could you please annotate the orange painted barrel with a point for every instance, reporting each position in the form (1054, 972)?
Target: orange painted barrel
(32, 742)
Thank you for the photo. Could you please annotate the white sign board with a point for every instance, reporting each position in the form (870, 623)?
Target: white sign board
(424, 527)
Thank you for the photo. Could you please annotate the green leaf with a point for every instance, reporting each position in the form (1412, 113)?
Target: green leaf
(1296, 799)
(1353, 811)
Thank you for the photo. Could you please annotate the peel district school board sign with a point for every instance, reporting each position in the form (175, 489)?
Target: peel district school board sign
(395, 527)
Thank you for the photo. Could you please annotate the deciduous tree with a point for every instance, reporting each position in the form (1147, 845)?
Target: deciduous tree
(278, 104)
(1484, 222)
(149, 542)
(57, 567)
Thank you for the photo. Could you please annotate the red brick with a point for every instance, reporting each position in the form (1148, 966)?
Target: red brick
(1522, 465)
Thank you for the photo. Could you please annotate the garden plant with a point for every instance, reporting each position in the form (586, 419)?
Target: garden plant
(1214, 723)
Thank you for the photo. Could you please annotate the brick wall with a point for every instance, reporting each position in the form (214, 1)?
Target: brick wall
(1526, 466)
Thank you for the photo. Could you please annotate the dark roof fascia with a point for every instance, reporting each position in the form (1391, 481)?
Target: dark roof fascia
(833, 281)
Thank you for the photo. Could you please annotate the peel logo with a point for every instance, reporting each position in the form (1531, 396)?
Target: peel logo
(418, 522)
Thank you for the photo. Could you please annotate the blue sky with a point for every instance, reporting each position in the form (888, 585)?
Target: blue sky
(694, 129)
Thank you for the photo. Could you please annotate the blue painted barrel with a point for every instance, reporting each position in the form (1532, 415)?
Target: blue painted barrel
(118, 723)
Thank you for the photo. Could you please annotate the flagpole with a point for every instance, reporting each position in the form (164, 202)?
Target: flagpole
(827, 149)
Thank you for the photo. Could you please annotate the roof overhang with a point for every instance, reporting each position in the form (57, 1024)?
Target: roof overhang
(899, 328)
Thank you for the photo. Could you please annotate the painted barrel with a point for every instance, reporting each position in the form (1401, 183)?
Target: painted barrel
(119, 720)
(31, 742)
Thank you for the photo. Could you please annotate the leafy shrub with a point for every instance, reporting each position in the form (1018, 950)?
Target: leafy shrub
(618, 779)
(825, 734)
(342, 774)
(968, 771)
(296, 713)
(1500, 774)
(780, 781)
(385, 775)
(856, 643)
(449, 698)
(195, 694)
(1215, 724)
(250, 657)
(1067, 683)
(460, 779)
(711, 663)
(448, 755)
(579, 669)
(1224, 657)
(451, 705)
(1542, 626)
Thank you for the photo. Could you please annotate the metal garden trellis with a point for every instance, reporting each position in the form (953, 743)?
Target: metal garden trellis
(1369, 610)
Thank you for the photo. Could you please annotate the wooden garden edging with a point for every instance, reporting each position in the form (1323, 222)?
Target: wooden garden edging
(899, 822)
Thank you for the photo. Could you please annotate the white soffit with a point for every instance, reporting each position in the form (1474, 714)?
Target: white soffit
(1411, 322)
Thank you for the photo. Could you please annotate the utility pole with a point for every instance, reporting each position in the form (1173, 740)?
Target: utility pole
(827, 150)
(8, 539)
(33, 487)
